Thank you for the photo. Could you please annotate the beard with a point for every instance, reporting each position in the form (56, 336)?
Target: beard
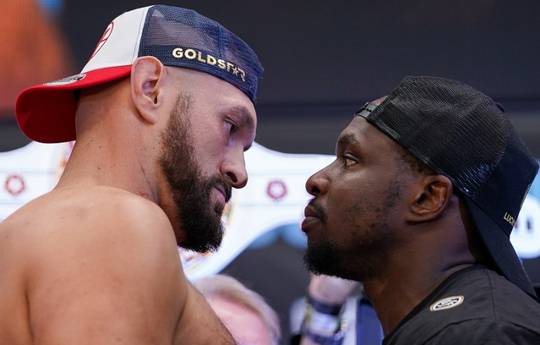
(200, 223)
(362, 259)
(363, 255)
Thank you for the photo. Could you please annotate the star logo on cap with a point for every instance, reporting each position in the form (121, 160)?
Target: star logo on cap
(103, 39)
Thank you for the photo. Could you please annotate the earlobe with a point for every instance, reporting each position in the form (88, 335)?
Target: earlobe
(146, 87)
(431, 198)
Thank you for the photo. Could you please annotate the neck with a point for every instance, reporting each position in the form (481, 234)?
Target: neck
(411, 275)
(109, 164)
(112, 148)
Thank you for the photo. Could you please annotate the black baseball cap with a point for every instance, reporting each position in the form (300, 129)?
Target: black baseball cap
(461, 133)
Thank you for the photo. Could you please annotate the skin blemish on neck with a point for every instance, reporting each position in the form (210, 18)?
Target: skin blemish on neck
(148, 184)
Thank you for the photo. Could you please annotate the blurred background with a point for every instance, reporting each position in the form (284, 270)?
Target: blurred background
(322, 61)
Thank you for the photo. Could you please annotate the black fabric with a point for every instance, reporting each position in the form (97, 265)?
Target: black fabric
(502, 253)
(493, 311)
(324, 308)
(295, 339)
(440, 120)
(461, 133)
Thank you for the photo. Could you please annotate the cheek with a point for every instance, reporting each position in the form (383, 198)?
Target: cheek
(207, 128)
(354, 203)
(340, 218)
(208, 148)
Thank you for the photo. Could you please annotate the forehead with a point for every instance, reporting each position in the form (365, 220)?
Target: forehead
(368, 138)
(216, 92)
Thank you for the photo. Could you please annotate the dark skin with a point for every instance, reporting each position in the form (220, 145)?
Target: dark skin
(409, 224)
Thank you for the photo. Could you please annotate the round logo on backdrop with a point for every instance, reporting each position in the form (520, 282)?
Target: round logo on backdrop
(447, 303)
(14, 185)
(276, 190)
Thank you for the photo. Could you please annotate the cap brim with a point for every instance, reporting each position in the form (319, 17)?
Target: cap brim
(46, 112)
(500, 249)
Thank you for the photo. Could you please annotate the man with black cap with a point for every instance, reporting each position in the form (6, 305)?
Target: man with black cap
(162, 114)
(418, 206)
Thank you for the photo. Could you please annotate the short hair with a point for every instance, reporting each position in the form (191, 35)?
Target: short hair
(415, 164)
(227, 287)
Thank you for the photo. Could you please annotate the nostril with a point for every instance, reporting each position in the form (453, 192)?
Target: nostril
(314, 190)
(232, 177)
(313, 186)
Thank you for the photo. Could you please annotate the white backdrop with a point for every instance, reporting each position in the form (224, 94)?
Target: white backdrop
(274, 196)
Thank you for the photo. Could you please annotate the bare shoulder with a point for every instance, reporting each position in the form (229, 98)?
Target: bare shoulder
(100, 266)
(94, 258)
(82, 214)
(96, 222)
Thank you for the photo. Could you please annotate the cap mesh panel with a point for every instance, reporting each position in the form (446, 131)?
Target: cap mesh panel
(169, 27)
(449, 127)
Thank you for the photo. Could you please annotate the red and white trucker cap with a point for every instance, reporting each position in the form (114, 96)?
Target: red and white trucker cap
(176, 36)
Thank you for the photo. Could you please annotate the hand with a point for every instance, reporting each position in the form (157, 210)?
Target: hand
(330, 290)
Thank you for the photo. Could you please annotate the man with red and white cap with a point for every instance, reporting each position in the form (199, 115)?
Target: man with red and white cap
(162, 114)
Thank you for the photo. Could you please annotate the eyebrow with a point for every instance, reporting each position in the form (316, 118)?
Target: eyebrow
(346, 139)
(244, 117)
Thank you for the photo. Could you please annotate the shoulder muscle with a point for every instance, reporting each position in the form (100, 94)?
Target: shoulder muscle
(105, 269)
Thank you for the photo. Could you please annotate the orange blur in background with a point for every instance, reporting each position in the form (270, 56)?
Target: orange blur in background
(32, 50)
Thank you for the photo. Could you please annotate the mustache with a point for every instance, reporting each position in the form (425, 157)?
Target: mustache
(319, 211)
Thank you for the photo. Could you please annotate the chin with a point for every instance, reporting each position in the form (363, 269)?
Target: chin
(325, 258)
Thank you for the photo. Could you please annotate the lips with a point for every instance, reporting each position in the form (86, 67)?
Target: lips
(225, 190)
(312, 217)
(309, 211)
(309, 222)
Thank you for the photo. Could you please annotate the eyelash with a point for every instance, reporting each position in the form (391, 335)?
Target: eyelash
(233, 126)
(346, 158)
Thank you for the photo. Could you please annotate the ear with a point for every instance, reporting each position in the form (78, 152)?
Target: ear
(147, 74)
(430, 198)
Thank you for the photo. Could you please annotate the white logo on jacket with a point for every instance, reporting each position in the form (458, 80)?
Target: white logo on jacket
(447, 303)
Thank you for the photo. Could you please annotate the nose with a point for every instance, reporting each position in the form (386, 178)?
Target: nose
(318, 183)
(234, 169)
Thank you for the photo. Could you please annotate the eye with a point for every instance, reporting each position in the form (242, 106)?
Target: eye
(348, 160)
(230, 126)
